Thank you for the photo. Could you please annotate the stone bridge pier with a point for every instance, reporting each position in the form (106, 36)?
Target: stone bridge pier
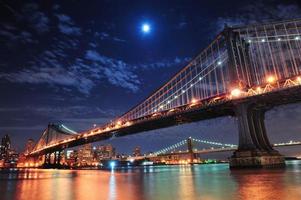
(254, 149)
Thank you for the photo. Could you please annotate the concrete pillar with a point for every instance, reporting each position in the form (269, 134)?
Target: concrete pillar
(58, 158)
(47, 159)
(190, 149)
(55, 158)
(254, 149)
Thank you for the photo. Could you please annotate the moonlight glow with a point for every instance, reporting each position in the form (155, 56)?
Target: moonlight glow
(145, 28)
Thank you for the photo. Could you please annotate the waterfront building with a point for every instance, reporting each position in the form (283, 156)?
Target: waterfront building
(29, 146)
(85, 155)
(71, 157)
(137, 151)
(104, 152)
(5, 147)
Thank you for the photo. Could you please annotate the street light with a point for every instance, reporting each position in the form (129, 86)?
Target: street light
(236, 92)
(258, 89)
(194, 101)
(271, 79)
(128, 123)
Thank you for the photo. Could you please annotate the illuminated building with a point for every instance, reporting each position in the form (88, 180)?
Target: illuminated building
(104, 152)
(71, 157)
(5, 147)
(29, 146)
(85, 155)
(137, 151)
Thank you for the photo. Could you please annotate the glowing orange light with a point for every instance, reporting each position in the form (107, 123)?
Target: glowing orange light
(236, 92)
(258, 89)
(194, 101)
(271, 79)
(298, 79)
(128, 123)
(171, 110)
(119, 123)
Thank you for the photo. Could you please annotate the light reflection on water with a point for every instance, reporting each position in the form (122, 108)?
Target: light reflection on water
(208, 182)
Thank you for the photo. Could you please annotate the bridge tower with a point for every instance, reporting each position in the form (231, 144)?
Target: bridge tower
(254, 148)
(54, 133)
(190, 149)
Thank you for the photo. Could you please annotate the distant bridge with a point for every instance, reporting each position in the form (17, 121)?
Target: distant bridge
(215, 147)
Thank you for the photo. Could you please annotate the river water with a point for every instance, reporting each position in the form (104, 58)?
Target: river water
(204, 182)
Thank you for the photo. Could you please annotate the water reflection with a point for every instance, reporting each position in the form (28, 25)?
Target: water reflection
(112, 186)
(166, 182)
(260, 184)
(276, 184)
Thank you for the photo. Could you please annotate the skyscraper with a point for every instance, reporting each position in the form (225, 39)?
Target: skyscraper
(5, 147)
(29, 146)
(137, 151)
(104, 152)
(85, 156)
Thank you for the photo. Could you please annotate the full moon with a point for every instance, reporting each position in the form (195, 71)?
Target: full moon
(145, 28)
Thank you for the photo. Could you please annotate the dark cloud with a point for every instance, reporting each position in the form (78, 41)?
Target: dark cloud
(182, 25)
(22, 128)
(67, 26)
(258, 12)
(38, 20)
(107, 36)
(83, 73)
(57, 65)
(17, 37)
(117, 72)
(52, 76)
(165, 63)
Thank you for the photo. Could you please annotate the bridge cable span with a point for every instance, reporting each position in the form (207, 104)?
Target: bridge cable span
(241, 62)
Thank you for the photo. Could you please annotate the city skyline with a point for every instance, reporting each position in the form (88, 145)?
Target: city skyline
(87, 90)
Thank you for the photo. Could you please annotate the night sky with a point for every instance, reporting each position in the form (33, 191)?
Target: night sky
(85, 62)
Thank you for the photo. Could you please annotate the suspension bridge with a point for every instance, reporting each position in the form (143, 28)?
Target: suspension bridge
(197, 146)
(243, 72)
